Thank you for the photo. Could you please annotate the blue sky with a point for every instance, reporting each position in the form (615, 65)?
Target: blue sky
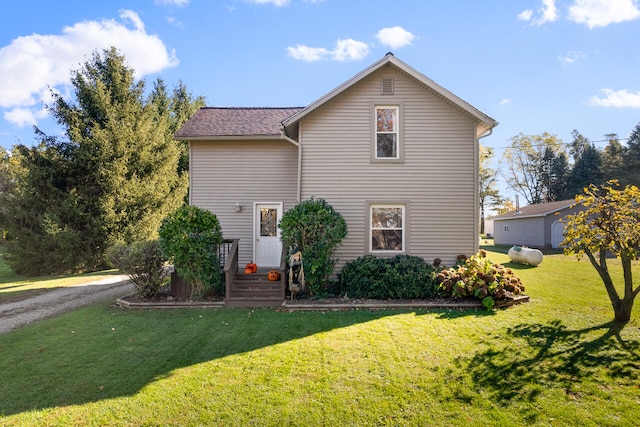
(534, 65)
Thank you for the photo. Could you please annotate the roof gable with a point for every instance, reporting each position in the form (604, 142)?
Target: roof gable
(244, 122)
(218, 122)
(485, 123)
(542, 209)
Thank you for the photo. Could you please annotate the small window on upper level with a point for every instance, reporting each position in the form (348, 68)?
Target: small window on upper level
(506, 228)
(387, 132)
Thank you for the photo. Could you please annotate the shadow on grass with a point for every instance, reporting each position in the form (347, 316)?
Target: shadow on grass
(542, 356)
(102, 352)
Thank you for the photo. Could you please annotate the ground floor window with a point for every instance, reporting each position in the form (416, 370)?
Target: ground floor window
(387, 227)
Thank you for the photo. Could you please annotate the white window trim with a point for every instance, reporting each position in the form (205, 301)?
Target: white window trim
(405, 226)
(399, 132)
(396, 131)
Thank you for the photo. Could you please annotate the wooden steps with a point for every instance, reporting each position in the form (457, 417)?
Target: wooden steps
(254, 290)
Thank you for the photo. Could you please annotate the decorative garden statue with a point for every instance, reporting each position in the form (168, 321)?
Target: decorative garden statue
(296, 274)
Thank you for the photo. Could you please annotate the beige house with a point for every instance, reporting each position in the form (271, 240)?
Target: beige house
(394, 152)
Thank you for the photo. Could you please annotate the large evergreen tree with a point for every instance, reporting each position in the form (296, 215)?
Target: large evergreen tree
(179, 108)
(112, 178)
(632, 158)
(558, 184)
(586, 164)
(613, 157)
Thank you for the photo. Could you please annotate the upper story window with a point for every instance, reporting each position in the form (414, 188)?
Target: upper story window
(387, 132)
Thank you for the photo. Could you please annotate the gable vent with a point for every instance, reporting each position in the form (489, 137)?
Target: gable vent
(387, 86)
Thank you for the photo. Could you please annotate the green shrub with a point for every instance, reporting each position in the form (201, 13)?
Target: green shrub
(142, 262)
(190, 237)
(481, 278)
(400, 277)
(316, 229)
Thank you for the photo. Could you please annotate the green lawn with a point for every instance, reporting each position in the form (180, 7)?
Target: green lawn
(557, 360)
(14, 287)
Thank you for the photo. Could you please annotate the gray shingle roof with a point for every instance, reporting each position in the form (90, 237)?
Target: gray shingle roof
(231, 121)
(542, 209)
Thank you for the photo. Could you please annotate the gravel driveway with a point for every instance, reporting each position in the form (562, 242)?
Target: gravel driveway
(61, 300)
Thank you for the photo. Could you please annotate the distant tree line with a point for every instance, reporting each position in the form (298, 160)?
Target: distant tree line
(111, 178)
(542, 168)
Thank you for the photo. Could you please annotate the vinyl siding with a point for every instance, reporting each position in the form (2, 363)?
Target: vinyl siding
(522, 232)
(224, 173)
(437, 178)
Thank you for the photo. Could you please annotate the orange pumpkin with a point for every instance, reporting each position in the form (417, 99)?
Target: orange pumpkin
(250, 268)
(273, 275)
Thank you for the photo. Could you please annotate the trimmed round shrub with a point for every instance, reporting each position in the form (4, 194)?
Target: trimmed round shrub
(190, 237)
(401, 277)
(317, 229)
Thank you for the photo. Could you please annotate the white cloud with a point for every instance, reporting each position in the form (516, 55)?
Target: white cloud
(29, 65)
(273, 2)
(24, 116)
(345, 50)
(350, 50)
(571, 57)
(133, 17)
(525, 15)
(179, 3)
(395, 37)
(600, 13)
(617, 99)
(546, 12)
(505, 101)
(308, 54)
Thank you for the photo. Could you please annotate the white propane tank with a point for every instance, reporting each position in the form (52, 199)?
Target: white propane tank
(525, 255)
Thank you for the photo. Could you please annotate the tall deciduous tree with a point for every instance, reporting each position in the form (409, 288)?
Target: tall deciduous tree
(504, 207)
(113, 178)
(609, 223)
(489, 194)
(528, 163)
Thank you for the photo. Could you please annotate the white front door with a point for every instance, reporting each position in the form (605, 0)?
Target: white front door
(267, 247)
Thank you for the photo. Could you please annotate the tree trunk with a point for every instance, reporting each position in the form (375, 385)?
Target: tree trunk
(623, 310)
(625, 305)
